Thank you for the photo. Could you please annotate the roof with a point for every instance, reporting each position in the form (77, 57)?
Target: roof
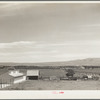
(16, 74)
(52, 72)
(32, 72)
(9, 77)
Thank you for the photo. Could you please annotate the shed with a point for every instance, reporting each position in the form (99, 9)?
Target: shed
(33, 74)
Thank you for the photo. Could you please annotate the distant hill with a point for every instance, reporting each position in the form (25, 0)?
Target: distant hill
(88, 61)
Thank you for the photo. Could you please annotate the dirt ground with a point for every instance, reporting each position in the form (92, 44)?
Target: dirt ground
(56, 85)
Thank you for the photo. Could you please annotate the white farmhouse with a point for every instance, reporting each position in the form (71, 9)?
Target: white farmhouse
(17, 76)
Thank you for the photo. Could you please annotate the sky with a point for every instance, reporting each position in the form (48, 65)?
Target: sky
(49, 32)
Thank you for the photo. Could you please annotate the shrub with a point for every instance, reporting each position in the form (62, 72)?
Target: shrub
(70, 73)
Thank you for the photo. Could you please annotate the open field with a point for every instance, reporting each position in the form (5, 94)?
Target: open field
(56, 85)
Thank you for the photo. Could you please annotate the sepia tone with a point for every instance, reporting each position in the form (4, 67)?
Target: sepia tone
(49, 46)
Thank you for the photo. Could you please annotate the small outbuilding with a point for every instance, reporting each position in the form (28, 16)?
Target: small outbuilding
(33, 74)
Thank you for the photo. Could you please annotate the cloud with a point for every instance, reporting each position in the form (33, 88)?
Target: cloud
(90, 25)
(43, 45)
(14, 6)
(18, 44)
(12, 9)
(29, 51)
(17, 8)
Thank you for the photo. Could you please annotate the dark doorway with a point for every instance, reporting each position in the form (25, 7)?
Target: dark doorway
(32, 77)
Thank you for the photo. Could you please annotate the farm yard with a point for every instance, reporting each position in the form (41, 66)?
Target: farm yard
(55, 79)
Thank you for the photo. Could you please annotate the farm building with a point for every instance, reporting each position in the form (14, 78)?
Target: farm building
(52, 72)
(17, 76)
(33, 74)
(11, 77)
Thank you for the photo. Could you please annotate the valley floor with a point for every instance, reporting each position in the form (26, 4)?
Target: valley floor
(56, 85)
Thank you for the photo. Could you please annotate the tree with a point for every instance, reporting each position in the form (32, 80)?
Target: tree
(85, 77)
(70, 73)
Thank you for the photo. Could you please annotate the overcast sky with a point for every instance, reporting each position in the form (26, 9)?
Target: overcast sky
(40, 32)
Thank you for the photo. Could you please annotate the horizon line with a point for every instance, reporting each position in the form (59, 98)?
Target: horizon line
(52, 61)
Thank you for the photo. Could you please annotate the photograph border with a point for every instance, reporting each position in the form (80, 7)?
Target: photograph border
(52, 94)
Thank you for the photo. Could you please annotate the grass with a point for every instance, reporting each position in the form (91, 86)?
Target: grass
(56, 85)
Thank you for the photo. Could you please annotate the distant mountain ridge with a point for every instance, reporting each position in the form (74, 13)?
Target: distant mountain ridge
(87, 62)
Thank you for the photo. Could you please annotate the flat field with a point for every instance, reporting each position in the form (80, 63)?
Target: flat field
(56, 85)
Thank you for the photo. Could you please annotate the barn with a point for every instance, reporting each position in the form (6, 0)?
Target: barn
(17, 76)
(33, 74)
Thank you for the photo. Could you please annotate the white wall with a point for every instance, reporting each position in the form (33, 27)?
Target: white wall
(16, 80)
(19, 79)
